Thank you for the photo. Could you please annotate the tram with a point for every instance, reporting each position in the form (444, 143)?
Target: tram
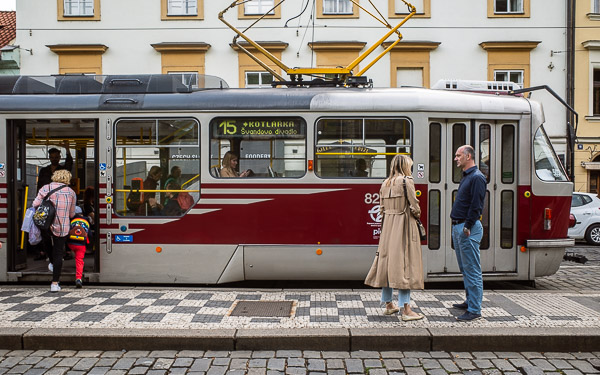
(308, 208)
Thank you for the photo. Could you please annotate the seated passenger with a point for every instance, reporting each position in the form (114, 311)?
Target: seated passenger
(151, 182)
(175, 176)
(360, 169)
(230, 165)
(177, 203)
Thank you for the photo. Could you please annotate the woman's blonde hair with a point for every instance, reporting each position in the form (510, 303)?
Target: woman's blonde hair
(400, 166)
(227, 159)
(62, 175)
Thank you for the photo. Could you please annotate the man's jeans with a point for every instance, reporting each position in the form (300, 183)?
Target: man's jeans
(469, 263)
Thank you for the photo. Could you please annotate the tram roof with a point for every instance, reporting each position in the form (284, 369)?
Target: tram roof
(301, 99)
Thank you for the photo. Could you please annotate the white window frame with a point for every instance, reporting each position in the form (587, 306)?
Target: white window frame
(509, 9)
(508, 74)
(260, 85)
(182, 7)
(255, 7)
(77, 8)
(337, 5)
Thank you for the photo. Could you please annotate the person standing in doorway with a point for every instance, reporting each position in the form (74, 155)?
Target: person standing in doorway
(398, 262)
(44, 178)
(64, 201)
(467, 231)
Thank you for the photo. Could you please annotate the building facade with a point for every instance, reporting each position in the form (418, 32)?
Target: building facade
(587, 96)
(518, 40)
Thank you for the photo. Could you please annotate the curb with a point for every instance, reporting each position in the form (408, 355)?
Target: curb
(328, 339)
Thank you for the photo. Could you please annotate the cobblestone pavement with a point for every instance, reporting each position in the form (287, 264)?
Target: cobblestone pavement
(295, 362)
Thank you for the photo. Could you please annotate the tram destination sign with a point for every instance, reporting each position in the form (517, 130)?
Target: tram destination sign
(259, 127)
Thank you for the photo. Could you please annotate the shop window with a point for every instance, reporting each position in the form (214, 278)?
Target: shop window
(258, 147)
(360, 147)
(158, 166)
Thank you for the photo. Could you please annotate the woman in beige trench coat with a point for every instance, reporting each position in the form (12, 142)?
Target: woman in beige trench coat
(398, 262)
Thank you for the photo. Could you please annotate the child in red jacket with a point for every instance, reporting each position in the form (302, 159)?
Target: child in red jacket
(77, 240)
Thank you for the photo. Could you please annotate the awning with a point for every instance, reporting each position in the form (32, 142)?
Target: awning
(591, 165)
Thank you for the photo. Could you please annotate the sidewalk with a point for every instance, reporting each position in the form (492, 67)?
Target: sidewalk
(100, 318)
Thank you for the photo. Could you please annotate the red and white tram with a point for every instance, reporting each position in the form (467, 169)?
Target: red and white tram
(311, 208)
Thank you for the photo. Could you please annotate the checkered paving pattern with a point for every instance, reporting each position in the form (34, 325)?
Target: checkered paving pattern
(193, 308)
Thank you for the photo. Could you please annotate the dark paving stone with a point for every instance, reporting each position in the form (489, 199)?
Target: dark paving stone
(500, 318)
(90, 317)
(449, 297)
(130, 309)
(432, 304)
(207, 318)
(509, 306)
(218, 304)
(186, 309)
(115, 301)
(64, 301)
(347, 297)
(166, 302)
(383, 318)
(314, 304)
(297, 297)
(8, 293)
(372, 303)
(303, 311)
(24, 307)
(265, 320)
(77, 308)
(148, 317)
(34, 316)
(590, 302)
(149, 295)
(102, 295)
(199, 296)
(351, 311)
(15, 299)
(440, 318)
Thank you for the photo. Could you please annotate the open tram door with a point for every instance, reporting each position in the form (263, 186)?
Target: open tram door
(30, 140)
(496, 156)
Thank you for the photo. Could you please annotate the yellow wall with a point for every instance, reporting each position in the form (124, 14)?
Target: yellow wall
(246, 64)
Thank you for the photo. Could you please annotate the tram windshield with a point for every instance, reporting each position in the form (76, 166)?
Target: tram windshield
(547, 165)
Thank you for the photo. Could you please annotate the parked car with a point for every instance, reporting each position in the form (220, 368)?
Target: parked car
(586, 209)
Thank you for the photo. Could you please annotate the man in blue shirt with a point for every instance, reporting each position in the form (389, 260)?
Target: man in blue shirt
(467, 230)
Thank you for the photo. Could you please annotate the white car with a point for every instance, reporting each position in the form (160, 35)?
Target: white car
(586, 209)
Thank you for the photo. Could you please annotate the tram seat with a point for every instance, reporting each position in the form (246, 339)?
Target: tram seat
(216, 171)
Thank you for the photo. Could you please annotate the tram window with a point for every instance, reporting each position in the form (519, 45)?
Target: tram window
(485, 157)
(547, 164)
(506, 219)
(434, 215)
(459, 138)
(435, 152)
(267, 146)
(508, 154)
(358, 147)
(157, 166)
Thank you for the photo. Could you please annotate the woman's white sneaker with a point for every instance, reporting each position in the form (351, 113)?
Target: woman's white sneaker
(54, 288)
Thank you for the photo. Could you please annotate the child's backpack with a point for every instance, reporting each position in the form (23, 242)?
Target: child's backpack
(45, 212)
(78, 233)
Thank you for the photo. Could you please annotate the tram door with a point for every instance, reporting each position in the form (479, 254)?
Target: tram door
(495, 157)
(17, 188)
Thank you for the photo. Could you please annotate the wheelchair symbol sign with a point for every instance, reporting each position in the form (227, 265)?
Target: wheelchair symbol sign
(102, 166)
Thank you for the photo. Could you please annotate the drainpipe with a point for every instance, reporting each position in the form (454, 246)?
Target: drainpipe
(571, 86)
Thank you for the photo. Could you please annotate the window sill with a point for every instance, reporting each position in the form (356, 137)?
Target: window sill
(595, 118)
(593, 16)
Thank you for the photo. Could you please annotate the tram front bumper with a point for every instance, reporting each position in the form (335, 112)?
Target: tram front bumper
(545, 256)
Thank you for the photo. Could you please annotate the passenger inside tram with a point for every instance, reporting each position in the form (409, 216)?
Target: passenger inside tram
(360, 169)
(151, 182)
(230, 166)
